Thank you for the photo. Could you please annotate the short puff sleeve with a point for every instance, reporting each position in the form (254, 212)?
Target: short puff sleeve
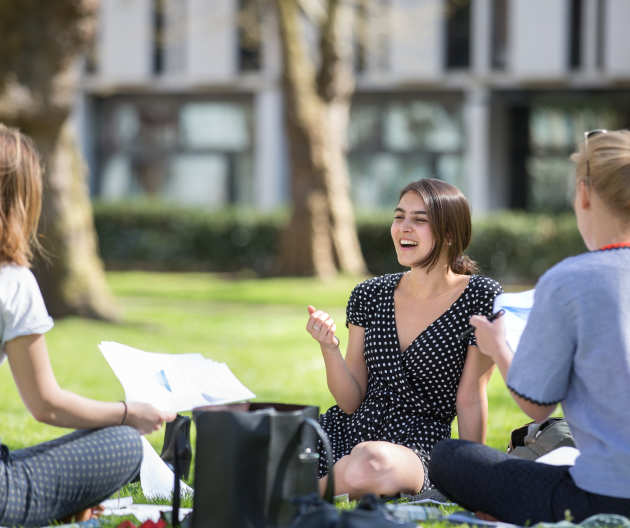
(484, 294)
(358, 305)
(22, 305)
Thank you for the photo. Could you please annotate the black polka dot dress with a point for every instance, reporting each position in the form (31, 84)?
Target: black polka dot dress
(410, 397)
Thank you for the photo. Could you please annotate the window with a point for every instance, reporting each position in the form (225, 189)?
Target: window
(457, 33)
(498, 58)
(544, 133)
(575, 34)
(601, 29)
(394, 140)
(158, 36)
(360, 37)
(249, 35)
(192, 152)
(169, 37)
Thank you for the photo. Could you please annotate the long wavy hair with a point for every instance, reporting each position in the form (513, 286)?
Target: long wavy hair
(20, 197)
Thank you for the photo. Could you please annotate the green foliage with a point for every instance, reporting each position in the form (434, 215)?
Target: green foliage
(144, 235)
(152, 235)
(520, 246)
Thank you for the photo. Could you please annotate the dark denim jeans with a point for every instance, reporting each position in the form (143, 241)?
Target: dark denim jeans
(512, 489)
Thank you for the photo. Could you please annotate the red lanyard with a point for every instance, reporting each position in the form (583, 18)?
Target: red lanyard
(616, 246)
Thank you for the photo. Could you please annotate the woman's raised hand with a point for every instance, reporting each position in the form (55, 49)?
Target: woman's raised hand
(322, 327)
(490, 335)
(146, 418)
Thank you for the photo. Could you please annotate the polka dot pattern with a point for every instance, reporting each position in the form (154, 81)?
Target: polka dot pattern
(55, 479)
(410, 397)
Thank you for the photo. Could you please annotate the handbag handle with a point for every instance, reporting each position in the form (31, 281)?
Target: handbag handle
(330, 484)
(177, 471)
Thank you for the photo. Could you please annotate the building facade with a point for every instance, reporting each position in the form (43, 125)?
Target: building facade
(182, 99)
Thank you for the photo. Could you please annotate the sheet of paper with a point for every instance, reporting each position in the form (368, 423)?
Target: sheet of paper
(173, 382)
(156, 478)
(561, 456)
(517, 307)
(142, 512)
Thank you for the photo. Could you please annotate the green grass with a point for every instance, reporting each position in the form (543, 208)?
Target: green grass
(255, 326)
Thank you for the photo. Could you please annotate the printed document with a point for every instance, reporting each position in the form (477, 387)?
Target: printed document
(173, 382)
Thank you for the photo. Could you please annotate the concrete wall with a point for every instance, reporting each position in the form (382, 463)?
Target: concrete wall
(212, 39)
(416, 30)
(538, 38)
(125, 41)
(616, 38)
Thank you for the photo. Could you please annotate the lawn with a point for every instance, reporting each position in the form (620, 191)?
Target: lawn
(255, 326)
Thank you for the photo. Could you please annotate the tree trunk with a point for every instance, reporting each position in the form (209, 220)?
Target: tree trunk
(320, 238)
(72, 277)
(38, 78)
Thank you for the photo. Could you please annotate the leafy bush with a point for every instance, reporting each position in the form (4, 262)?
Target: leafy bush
(145, 235)
(520, 246)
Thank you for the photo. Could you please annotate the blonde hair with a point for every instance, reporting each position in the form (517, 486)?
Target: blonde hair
(603, 162)
(20, 197)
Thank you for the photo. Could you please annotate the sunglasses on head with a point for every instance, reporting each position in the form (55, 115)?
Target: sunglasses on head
(587, 135)
(590, 133)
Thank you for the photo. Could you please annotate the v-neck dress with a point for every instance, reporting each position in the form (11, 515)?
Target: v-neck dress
(410, 396)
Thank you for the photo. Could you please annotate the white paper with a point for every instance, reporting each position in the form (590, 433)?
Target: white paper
(517, 307)
(561, 456)
(173, 382)
(142, 512)
(156, 478)
(117, 503)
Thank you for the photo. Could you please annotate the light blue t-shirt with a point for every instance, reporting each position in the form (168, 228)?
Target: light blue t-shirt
(22, 308)
(576, 350)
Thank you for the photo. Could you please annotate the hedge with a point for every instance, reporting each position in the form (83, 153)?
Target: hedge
(143, 235)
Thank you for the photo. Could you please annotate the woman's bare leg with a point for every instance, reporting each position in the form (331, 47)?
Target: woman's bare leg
(381, 468)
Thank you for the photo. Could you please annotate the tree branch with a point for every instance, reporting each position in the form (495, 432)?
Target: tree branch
(335, 76)
(298, 70)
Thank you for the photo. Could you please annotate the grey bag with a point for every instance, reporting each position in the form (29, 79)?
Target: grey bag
(534, 440)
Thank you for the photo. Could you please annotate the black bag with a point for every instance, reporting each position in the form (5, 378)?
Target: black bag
(252, 460)
(176, 448)
(535, 440)
(177, 430)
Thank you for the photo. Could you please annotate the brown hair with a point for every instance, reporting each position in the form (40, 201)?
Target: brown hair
(607, 157)
(20, 196)
(449, 218)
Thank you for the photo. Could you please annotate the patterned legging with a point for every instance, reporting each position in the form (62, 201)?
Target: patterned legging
(52, 480)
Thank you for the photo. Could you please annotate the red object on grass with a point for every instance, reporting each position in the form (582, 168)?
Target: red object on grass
(150, 524)
(126, 524)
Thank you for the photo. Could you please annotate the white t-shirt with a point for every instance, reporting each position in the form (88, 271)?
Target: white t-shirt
(22, 308)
